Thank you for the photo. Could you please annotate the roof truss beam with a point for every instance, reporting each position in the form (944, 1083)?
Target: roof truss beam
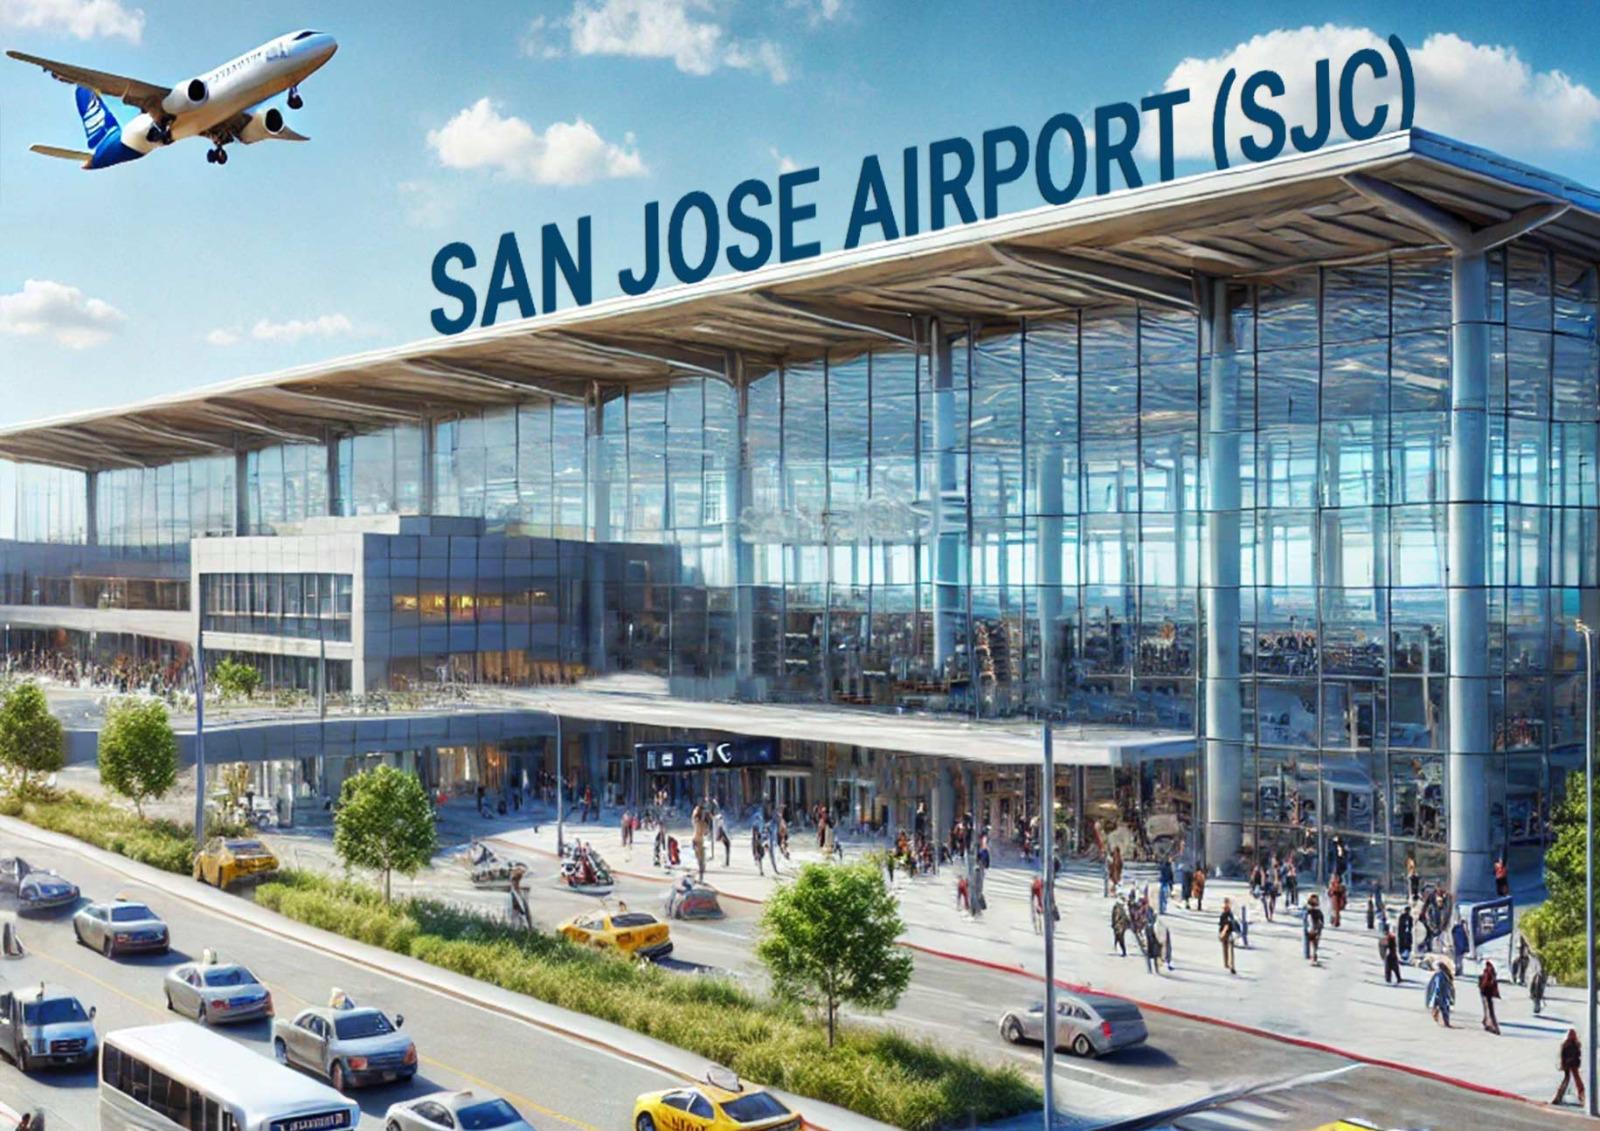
(852, 319)
(1121, 282)
(672, 357)
(1462, 237)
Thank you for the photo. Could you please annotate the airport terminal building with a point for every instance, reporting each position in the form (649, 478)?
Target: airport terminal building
(1275, 488)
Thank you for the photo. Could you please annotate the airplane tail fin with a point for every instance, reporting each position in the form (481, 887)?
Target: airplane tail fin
(77, 155)
(98, 121)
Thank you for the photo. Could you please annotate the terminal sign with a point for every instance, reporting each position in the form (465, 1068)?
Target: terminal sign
(673, 757)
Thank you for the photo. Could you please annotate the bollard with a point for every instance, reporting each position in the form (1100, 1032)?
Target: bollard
(10, 943)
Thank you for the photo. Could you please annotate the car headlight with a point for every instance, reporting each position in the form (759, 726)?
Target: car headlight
(411, 1054)
(358, 1063)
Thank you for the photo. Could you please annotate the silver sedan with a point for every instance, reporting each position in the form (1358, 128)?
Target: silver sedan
(347, 1047)
(120, 926)
(455, 1111)
(1086, 1024)
(216, 993)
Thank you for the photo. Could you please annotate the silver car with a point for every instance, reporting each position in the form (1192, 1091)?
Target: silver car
(120, 926)
(349, 1047)
(1086, 1024)
(455, 1111)
(216, 993)
(36, 889)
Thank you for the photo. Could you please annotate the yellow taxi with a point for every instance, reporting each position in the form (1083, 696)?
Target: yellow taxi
(722, 1102)
(636, 934)
(224, 861)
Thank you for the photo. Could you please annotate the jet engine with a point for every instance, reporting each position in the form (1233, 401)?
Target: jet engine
(267, 124)
(190, 96)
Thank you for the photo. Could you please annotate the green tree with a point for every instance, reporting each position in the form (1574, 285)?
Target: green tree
(828, 939)
(31, 738)
(138, 751)
(235, 679)
(384, 823)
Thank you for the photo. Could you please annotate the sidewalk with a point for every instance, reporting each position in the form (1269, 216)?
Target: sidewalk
(469, 991)
(1343, 1006)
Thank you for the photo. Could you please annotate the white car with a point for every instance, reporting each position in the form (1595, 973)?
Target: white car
(216, 993)
(1086, 1024)
(455, 1111)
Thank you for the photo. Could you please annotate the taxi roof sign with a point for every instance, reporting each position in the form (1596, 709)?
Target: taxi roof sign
(725, 1078)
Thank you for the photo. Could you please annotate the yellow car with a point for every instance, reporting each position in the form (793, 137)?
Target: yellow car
(722, 1103)
(224, 862)
(634, 933)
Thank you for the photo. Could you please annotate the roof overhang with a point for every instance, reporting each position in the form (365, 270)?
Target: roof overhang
(1145, 245)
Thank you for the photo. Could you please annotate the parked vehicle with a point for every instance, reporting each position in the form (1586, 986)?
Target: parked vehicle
(722, 1102)
(45, 1027)
(633, 933)
(216, 993)
(225, 861)
(348, 1047)
(1086, 1024)
(120, 926)
(465, 1110)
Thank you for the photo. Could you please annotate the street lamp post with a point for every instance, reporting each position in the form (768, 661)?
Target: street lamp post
(561, 788)
(1588, 853)
(199, 662)
(1047, 907)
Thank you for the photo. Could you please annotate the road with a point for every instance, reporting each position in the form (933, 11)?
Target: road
(556, 1083)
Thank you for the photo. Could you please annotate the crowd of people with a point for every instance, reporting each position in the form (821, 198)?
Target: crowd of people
(122, 674)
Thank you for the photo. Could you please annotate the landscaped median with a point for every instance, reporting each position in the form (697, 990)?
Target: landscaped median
(879, 1074)
(160, 844)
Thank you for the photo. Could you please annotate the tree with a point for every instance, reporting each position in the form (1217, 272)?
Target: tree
(384, 823)
(31, 738)
(235, 679)
(138, 751)
(828, 939)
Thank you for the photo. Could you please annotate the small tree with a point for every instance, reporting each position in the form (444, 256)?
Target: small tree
(828, 939)
(384, 823)
(235, 679)
(31, 738)
(138, 751)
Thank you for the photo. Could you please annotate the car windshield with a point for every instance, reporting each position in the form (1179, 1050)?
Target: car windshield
(246, 847)
(54, 1011)
(757, 1105)
(490, 1113)
(131, 913)
(43, 880)
(632, 919)
(372, 1024)
(230, 976)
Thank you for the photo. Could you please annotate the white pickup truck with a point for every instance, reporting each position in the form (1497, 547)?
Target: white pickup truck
(45, 1026)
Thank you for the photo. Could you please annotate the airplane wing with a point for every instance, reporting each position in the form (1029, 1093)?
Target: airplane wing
(144, 96)
(77, 155)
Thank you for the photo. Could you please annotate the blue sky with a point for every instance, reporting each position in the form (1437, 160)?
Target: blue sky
(168, 273)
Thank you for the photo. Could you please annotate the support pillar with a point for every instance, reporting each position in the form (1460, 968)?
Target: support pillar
(428, 489)
(241, 492)
(737, 498)
(949, 529)
(91, 504)
(1048, 571)
(336, 489)
(1224, 723)
(599, 502)
(1466, 584)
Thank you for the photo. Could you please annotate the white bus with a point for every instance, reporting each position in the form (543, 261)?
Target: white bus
(181, 1077)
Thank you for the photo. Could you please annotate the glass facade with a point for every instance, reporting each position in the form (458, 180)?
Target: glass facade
(311, 606)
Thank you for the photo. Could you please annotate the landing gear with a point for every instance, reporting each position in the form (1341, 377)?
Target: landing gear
(217, 156)
(295, 101)
(159, 133)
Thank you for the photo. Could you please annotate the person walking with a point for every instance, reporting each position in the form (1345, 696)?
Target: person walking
(770, 835)
(1244, 923)
(1164, 888)
(1200, 887)
(627, 829)
(1458, 940)
(1488, 991)
(721, 837)
(1441, 993)
(1227, 930)
(1404, 927)
(1340, 862)
(1389, 950)
(1337, 894)
(1291, 884)
(1115, 867)
(1502, 877)
(1036, 904)
(1187, 886)
(1269, 892)
(1571, 1065)
(1120, 923)
(830, 846)
(1150, 943)
(1537, 980)
(1413, 881)
(757, 849)
(1519, 964)
(1311, 926)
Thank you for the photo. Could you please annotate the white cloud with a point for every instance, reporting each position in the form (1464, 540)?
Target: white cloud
(536, 43)
(83, 19)
(686, 31)
(65, 313)
(1482, 94)
(818, 11)
(786, 164)
(565, 153)
(288, 332)
(426, 204)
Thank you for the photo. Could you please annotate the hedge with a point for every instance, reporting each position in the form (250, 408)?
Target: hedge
(880, 1074)
(161, 844)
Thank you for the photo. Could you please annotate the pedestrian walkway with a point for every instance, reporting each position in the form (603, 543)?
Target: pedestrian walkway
(1343, 1005)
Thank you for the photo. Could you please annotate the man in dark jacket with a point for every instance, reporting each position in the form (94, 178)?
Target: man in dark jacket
(1389, 948)
(1571, 1066)
(1227, 931)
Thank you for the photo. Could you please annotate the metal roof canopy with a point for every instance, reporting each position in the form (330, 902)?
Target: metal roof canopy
(1138, 245)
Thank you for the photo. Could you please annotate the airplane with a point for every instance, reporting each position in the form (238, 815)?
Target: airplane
(223, 106)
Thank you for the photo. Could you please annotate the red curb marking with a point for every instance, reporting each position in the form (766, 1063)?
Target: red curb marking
(1251, 1030)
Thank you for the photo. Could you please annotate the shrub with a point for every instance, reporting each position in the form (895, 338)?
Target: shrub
(161, 844)
(884, 1075)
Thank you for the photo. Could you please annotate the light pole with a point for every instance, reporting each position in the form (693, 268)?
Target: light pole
(561, 788)
(1588, 852)
(1048, 915)
(199, 662)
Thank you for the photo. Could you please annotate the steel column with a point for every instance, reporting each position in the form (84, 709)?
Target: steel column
(949, 529)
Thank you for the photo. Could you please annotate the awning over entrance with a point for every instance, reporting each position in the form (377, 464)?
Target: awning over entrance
(646, 700)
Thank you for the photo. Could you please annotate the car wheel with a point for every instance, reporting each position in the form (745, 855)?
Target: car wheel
(77, 934)
(644, 1122)
(336, 1076)
(24, 1061)
(107, 949)
(1081, 1045)
(200, 1014)
(391, 1126)
(1013, 1031)
(280, 1051)
(170, 1007)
